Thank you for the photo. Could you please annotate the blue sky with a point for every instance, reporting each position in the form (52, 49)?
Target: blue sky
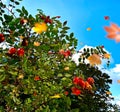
(82, 14)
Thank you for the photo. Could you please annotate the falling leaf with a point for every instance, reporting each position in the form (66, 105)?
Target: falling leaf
(88, 29)
(113, 32)
(94, 59)
(106, 17)
(118, 81)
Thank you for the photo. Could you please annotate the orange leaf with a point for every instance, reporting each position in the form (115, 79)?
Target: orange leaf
(94, 59)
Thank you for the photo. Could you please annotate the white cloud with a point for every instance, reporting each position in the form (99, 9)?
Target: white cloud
(116, 69)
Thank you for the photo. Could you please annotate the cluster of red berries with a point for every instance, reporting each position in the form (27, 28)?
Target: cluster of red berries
(66, 53)
(20, 51)
(81, 84)
(46, 19)
(2, 38)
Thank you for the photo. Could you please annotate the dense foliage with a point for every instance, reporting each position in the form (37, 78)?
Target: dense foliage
(37, 73)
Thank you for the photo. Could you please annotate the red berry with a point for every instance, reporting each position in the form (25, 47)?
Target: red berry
(75, 91)
(102, 46)
(50, 21)
(36, 78)
(2, 38)
(67, 53)
(42, 17)
(58, 16)
(23, 21)
(12, 51)
(81, 83)
(20, 52)
(90, 80)
(106, 17)
(76, 80)
(87, 85)
(66, 92)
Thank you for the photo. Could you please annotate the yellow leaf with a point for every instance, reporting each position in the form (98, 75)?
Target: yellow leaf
(20, 76)
(108, 92)
(56, 96)
(21, 37)
(39, 27)
(37, 44)
(66, 68)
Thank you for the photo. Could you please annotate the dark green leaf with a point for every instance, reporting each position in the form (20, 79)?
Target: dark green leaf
(17, 3)
(24, 10)
(64, 23)
(71, 35)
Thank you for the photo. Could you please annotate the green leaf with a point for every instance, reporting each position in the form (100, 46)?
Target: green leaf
(75, 110)
(60, 75)
(16, 2)
(18, 10)
(13, 73)
(68, 75)
(2, 77)
(8, 18)
(24, 10)
(64, 23)
(68, 101)
(71, 35)
(1, 18)
(66, 28)
(21, 31)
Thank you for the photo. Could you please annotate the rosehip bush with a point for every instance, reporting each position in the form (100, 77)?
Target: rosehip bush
(37, 73)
